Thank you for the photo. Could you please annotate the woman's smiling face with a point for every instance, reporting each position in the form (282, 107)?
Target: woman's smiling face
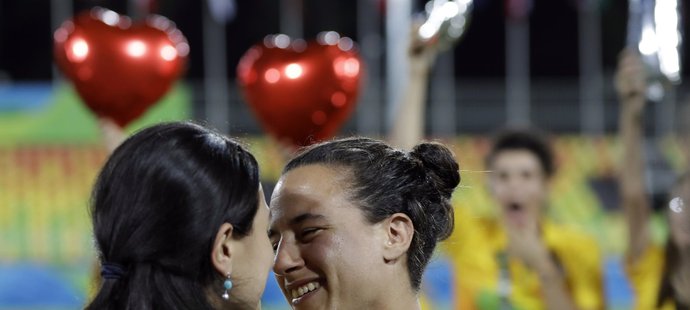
(326, 252)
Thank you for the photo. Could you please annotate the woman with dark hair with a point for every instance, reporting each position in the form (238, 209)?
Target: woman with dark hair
(354, 223)
(660, 277)
(180, 222)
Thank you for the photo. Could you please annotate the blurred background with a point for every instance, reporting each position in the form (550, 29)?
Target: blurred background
(544, 63)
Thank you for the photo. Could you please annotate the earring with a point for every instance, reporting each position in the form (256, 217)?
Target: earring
(228, 286)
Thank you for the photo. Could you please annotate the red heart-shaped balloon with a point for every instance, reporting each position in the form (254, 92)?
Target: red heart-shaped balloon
(118, 68)
(301, 93)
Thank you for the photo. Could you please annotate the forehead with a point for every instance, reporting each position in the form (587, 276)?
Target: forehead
(310, 188)
(515, 159)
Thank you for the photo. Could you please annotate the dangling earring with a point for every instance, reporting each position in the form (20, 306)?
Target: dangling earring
(228, 286)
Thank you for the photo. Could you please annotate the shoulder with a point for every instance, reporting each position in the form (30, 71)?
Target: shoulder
(650, 263)
(567, 236)
(571, 243)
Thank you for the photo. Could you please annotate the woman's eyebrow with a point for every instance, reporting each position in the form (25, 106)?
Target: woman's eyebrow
(304, 217)
(298, 220)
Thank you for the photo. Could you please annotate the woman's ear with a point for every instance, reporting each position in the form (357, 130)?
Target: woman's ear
(398, 236)
(221, 252)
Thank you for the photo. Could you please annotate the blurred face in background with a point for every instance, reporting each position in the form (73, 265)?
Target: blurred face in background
(518, 183)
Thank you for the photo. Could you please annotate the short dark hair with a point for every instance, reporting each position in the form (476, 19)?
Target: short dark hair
(528, 140)
(156, 208)
(388, 181)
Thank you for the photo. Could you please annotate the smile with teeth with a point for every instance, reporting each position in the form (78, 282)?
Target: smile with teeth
(300, 291)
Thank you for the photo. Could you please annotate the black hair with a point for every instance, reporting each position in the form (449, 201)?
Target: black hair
(386, 181)
(672, 260)
(156, 208)
(528, 140)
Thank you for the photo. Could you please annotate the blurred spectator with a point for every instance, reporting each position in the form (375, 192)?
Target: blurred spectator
(660, 277)
(522, 260)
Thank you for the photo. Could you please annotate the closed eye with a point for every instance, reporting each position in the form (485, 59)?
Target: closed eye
(275, 241)
(309, 232)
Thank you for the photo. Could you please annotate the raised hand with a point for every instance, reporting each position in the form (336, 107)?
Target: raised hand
(631, 81)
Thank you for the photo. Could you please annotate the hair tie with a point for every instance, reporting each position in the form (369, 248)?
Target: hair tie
(112, 271)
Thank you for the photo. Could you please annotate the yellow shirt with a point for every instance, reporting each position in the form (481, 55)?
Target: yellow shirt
(645, 278)
(476, 244)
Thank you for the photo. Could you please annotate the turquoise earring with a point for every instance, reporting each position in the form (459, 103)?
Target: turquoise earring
(228, 286)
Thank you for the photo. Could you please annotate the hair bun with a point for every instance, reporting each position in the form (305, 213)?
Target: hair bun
(440, 164)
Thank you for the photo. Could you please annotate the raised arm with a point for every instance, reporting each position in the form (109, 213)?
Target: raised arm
(630, 82)
(111, 133)
(408, 125)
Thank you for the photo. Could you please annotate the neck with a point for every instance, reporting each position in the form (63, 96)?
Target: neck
(398, 297)
(684, 253)
(241, 306)
(233, 303)
(678, 278)
(400, 303)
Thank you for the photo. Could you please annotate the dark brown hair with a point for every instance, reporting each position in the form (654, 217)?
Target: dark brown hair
(527, 140)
